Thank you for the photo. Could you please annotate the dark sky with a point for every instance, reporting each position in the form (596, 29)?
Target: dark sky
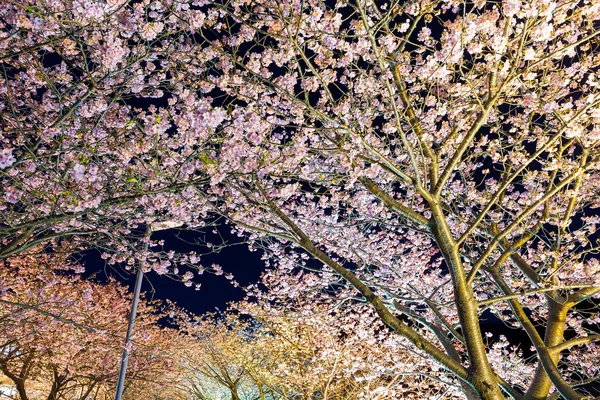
(215, 291)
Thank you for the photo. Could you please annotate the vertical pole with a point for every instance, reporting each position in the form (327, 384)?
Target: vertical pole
(136, 296)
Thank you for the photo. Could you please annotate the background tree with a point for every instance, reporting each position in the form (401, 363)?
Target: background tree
(304, 350)
(62, 336)
(339, 347)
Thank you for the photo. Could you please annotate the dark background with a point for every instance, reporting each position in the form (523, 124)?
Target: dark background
(215, 291)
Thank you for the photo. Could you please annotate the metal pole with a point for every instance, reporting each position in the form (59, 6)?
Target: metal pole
(136, 296)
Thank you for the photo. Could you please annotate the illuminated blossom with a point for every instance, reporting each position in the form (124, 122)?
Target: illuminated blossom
(6, 158)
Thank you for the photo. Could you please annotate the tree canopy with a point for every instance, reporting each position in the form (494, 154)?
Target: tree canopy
(61, 336)
(436, 160)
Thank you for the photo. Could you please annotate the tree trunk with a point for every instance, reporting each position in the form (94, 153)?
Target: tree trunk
(234, 394)
(18, 381)
(481, 375)
(555, 328)
(21, 390)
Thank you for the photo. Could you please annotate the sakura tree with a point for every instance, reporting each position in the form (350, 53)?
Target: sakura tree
(305, 350)
(344, 351)
(437, 160)
(86, 156)
(439, 157)
(61, 336)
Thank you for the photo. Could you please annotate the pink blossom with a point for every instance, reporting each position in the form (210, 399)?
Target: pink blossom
(217, 269)
(6, 158)
(78, 172)
(215, 117)
(12, 195)
(511, 7)
(188, 192)
(113, 52)
(162, 267)
(542, 32)
(88, 10)
(151, 30)
(529, 99)
(424, 34)
(196, 19)
(404, 26)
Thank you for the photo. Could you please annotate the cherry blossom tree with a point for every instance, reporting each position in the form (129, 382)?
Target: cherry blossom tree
(61, 336)
(86, 156)
(302, 351)
(441, 158)
(437, 160)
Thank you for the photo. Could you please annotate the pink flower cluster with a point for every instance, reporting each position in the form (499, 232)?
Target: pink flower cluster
(6, 158)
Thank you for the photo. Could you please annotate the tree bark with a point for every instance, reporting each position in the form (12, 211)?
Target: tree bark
(481, 375)
(19, 382)
(555, 328)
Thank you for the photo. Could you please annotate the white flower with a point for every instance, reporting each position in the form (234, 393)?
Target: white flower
(151, 30)
(404, 27)
(6, 158)
(78, 172)
(542, 32)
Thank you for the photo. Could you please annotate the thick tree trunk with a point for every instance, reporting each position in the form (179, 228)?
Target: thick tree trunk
(234, 394)
(21, 390)
(19, 381)
(555, 328)
(481, 375)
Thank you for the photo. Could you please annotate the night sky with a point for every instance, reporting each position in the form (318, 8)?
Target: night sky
(215, 292)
